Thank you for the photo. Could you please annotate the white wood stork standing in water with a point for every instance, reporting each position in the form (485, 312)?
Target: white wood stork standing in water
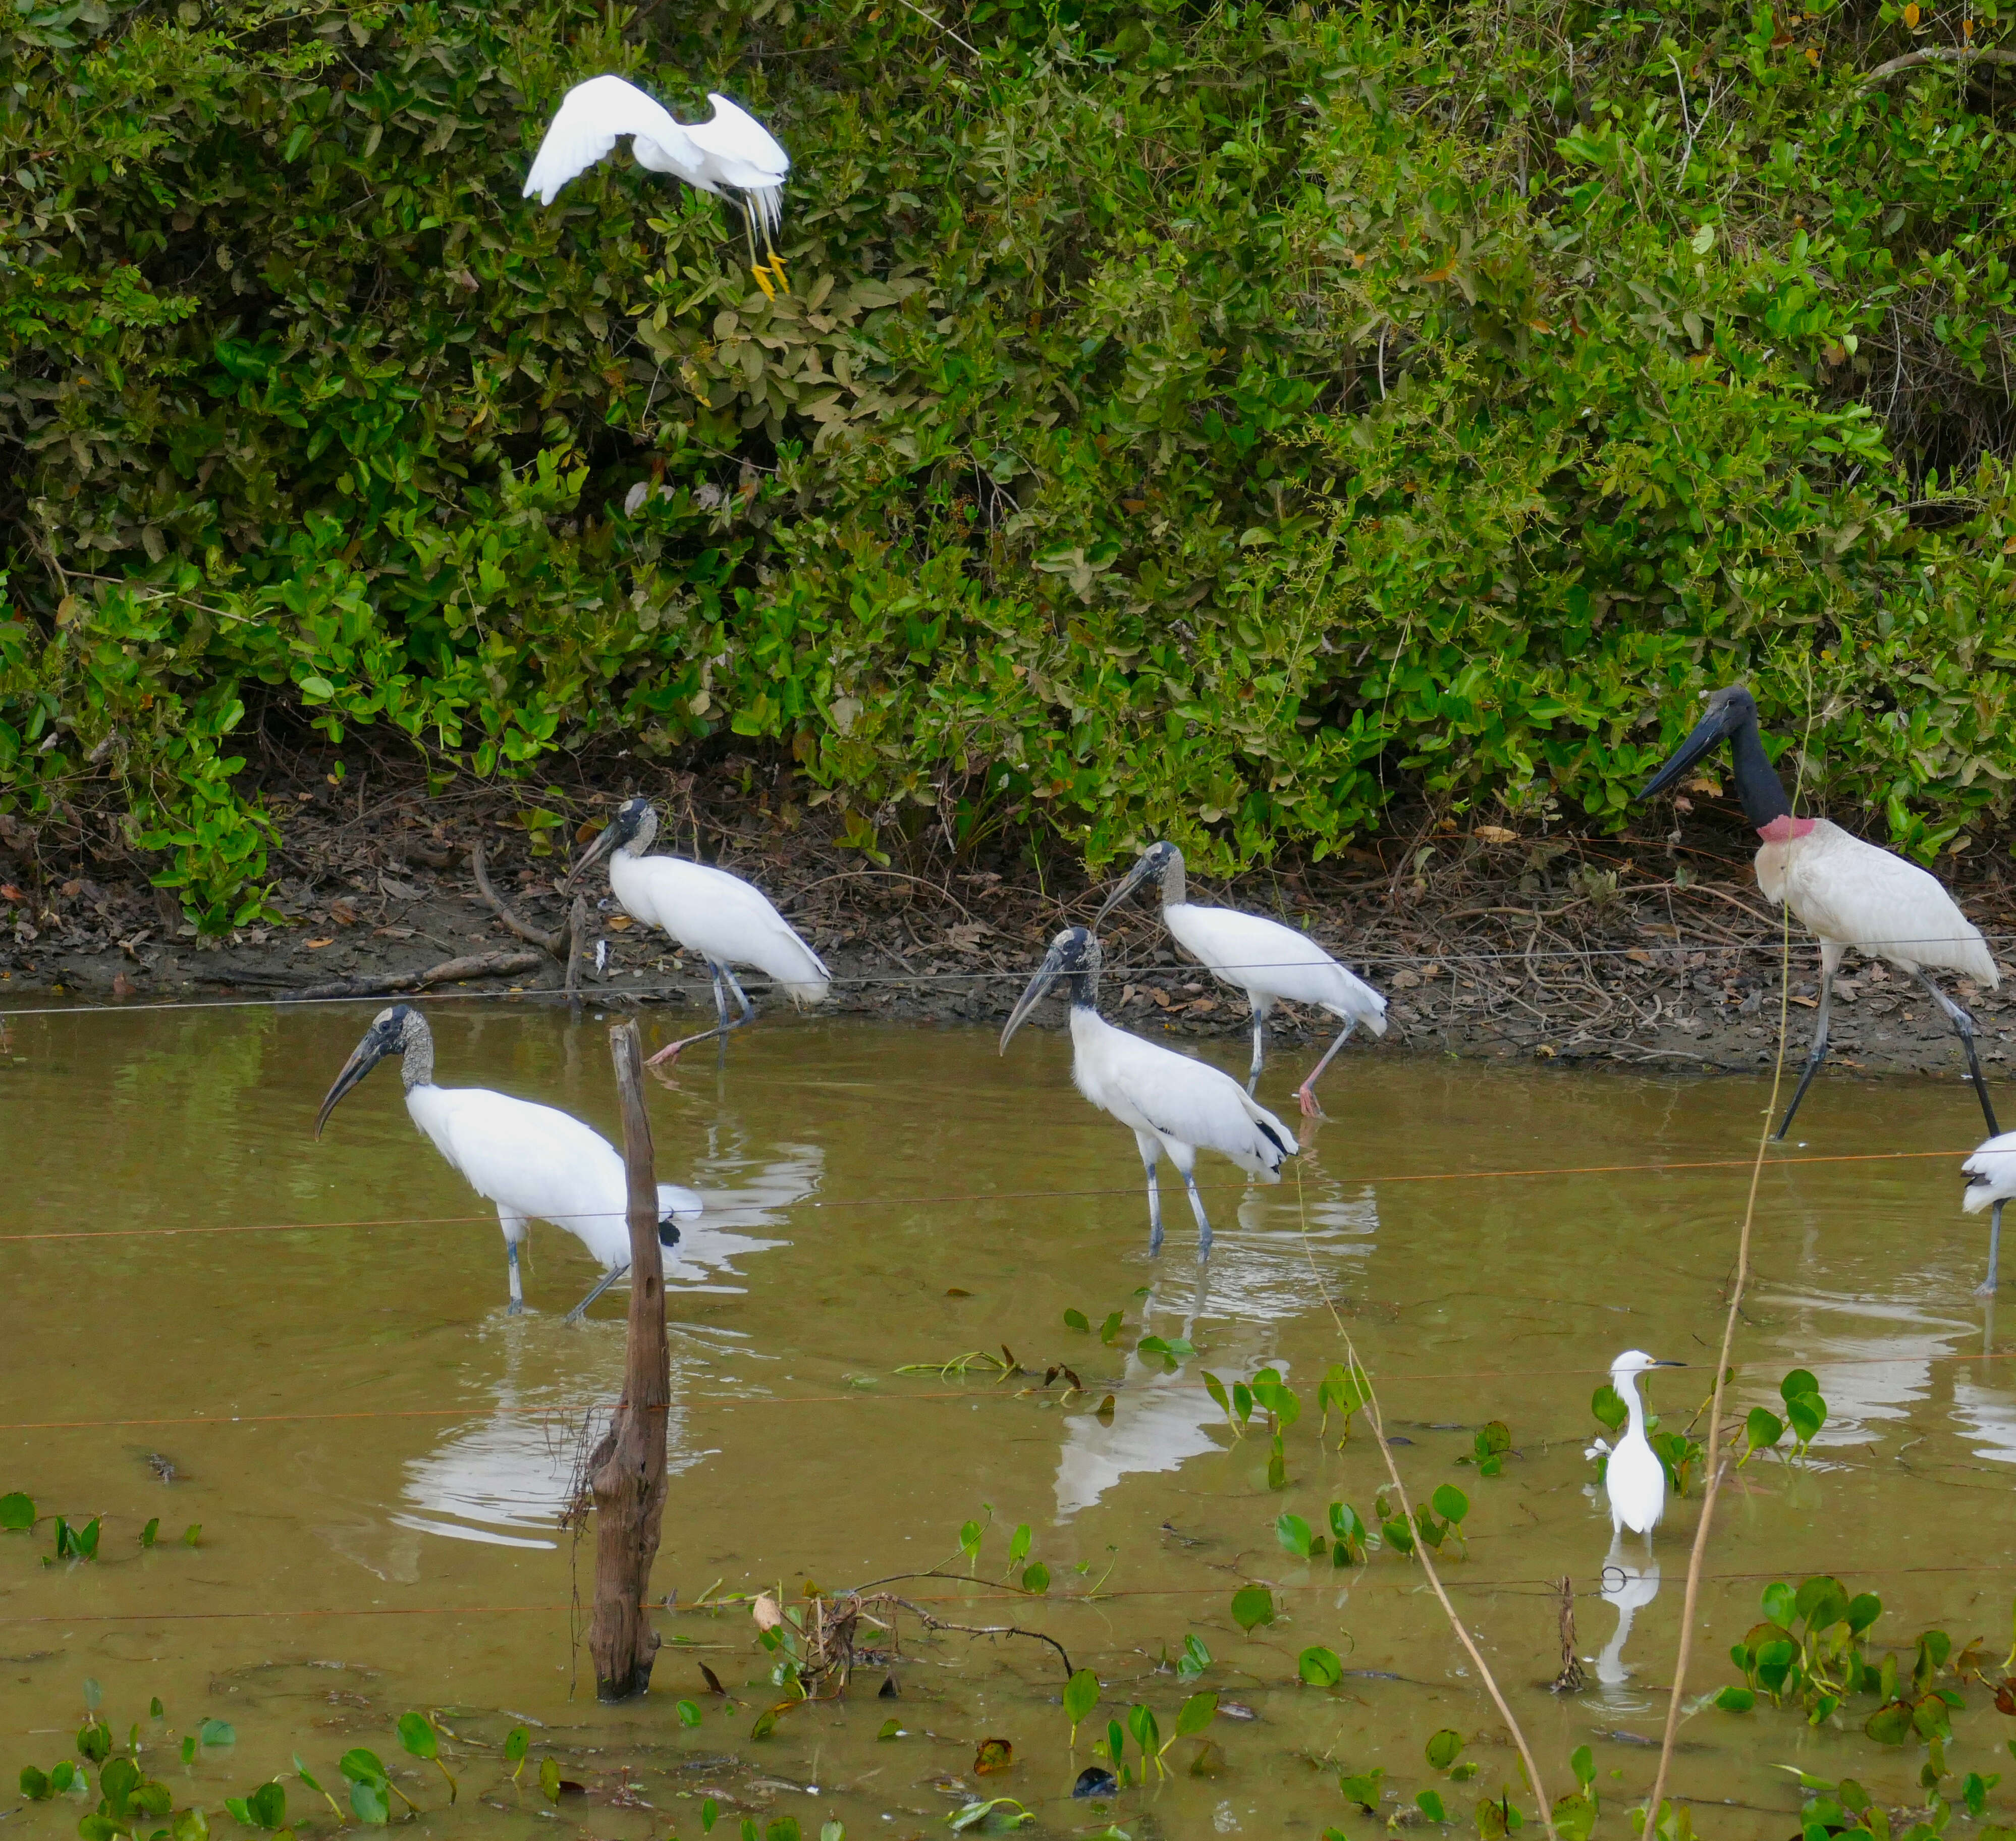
(1991, 1184)
(728, 921)
(1172, 1104)
(536, 1164)
(731, 152)
(1850, 893)
(1266, 960)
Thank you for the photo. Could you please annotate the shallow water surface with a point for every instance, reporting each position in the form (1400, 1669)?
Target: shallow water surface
(309, 1340)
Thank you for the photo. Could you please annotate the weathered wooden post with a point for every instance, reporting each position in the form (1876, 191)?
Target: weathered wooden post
(629, 1478)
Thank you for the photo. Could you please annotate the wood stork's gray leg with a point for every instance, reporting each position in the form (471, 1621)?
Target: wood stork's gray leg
(1203, 1219)
(1963, 1027)
(1151, 1153)
(1831, 958)
(1305, 1094)
(1259, 1048)
(723, 1027)
(1986, 1288)
(608, 1279)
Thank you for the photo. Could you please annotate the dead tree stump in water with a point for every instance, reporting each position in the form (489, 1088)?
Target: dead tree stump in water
(629, 1475)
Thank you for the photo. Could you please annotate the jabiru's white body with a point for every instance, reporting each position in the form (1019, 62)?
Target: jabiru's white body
(730, 151)
(1175, 1106)
(535, 1163)
(1991, 1184)
(1270, 963)
(1850, 892)
(728, 922)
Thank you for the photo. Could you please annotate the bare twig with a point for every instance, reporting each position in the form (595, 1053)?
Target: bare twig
(1572, 1679)
(448, 972)
(552, 945)
(974, 1629)
(1939, 54)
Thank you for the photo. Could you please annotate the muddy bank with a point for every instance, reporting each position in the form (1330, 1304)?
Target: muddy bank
(1557, 948)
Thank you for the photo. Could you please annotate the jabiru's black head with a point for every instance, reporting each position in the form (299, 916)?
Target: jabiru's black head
(1074, 954)
(633, 827)
(1160, 864)
(1730, 716)
(393, 1031)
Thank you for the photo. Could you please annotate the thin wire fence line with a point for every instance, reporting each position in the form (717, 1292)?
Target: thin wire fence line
(973, 1201)
(863, 980)
(994, 1594)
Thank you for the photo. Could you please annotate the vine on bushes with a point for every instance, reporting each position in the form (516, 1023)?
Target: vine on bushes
(1211, 427)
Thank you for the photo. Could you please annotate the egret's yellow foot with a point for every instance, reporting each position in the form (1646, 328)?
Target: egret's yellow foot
(777, 270)
(763, 282)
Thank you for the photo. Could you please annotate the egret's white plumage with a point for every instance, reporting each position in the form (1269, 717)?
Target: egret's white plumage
(728, 922)
(1991, 1184)
(1175, 1106)
(1850, 893)
(1633, 1479)
(1270, 962)
(730, 151)
(534, 1162)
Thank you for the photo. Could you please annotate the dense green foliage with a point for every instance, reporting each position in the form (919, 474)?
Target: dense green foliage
(1218, 425)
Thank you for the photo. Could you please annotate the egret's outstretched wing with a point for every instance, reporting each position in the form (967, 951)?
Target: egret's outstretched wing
(741, 152)
(592, 117)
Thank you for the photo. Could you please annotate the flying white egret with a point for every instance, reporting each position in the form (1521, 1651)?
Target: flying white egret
(1173, 1104)
(1634, 1479)
(708, 911)
(1266, 960)
(1848, 892)
(535, 1163)
(1991, 1184)
(730, 153)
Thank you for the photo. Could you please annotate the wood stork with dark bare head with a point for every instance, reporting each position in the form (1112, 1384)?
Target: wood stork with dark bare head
(1991, 1184)
(731, 152)
(727, 921)
(1848, 892)
(536, 1164)
(1172, 1104)
(1266, 960)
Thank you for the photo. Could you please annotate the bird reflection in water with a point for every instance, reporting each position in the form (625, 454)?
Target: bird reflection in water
(1628, 1589)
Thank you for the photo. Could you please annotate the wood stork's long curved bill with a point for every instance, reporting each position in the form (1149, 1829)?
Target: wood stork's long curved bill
(1849, 892)
(1175, 1106)
(1270, 962)
(533, 1162)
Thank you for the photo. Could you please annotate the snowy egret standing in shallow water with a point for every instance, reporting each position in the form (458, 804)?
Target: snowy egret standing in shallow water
(1991, 1183)
(1634, 1479)
(1266, 960)
(1850, 893)
(1175, 1105)
(728, 921)
(730, 151)
(536, 1164)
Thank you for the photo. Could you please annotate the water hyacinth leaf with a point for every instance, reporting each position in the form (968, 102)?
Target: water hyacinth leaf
(1036, 1578)
(1277, 1465)
(833, 1831)
(710, 1813)
(1252, 1605)
(1242, 1401)
(1891, 1724)
(1734, 1699)
(1194, 1659)
(1800, 1381)
(1196, 1714)
(1582, 1763)
(117, 1781)
(1147, 1733)
(1116, 1746)
(1215, 1388)
(1362, 1788)
(689, 1713)
(417, 1734)
(192, 1534)
(1808, 1413)
(998, 1816)
(189, 1824)
(1574, 1816)
(1443, 1748)
(549, 1779)
(17, 1513)
(517, 1741)
(1449, 1503)
(268, 1805)
(189, 1747)
(94, 1695)
(149, 1534)
(1018, 1544)
(784, 1829)
(1321, 1667)
(1109, 1331)
(1431, 1805)
(94, 1743)
(1294, 1534)
(994, 1755)
(891, 1729)
(1822, 1602)
(1399, 1535)
(370, 1804)
(1779, 1604)
(34, 1785)
(1077, 1320)
(1080, 1696)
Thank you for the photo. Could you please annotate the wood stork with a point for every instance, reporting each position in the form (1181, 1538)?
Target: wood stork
(1848, 892)
(1634, 1479)
(1172, 1104)
(1266, 960)
(708, 911)
(731, 152)
(1991, 1184)
(535, 1163)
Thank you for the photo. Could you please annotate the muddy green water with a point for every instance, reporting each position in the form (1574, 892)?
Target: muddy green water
(378, 1456)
